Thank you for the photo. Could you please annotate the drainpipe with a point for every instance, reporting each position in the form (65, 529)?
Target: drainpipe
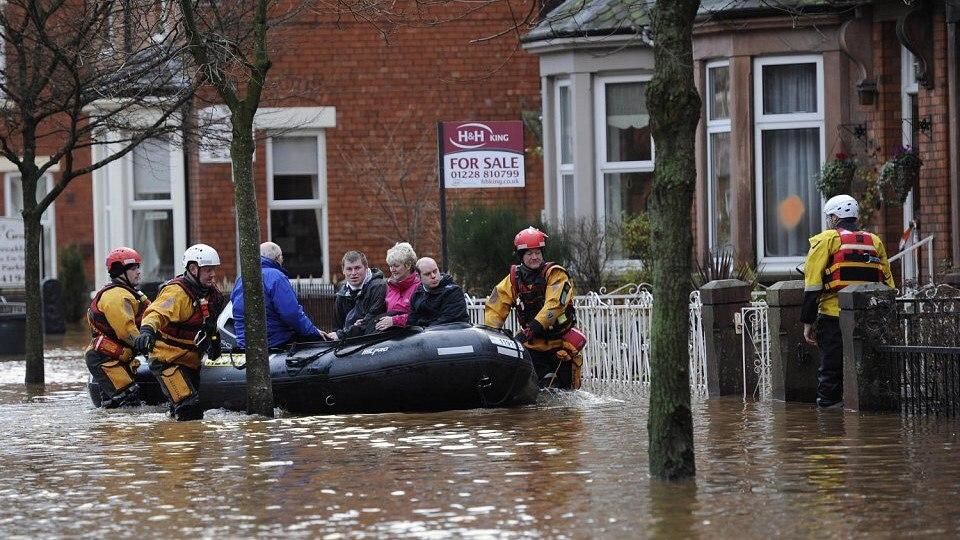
(953, 106)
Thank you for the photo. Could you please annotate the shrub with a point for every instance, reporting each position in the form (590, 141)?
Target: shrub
(719, 264)
(73, 278)
(480, 246)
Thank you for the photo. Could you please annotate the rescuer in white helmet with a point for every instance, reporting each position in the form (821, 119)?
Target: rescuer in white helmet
(839, 256)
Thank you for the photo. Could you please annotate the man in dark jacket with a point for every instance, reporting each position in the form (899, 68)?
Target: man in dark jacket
(286, 320)
(361, 300)
(438, 300)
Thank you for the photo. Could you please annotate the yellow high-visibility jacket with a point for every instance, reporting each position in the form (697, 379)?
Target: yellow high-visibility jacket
(822, 247)
(557, 297)
(121, 309)
(173, 305)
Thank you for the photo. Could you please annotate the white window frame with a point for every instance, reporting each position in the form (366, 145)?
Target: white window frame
(713, 126)
(321, 202)
(48, 220)
(113, 202)
(764, 122)
(563, 169)
(602, 165)
(909, 89)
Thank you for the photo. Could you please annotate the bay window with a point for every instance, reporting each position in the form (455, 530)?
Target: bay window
(565, 168)
(789, 139)
(719, 193)
(625, 150)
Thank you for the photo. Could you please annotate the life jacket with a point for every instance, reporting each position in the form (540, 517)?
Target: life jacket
(203, 308)
(530, 297)
(857, 261)
(99, 324)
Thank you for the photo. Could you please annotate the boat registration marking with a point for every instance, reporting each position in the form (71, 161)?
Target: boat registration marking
(442, 351)
(503, 342)
(512, 353)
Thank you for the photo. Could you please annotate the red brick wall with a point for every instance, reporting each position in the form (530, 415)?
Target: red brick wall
(406, 85)
(885, 128)
(934, 196)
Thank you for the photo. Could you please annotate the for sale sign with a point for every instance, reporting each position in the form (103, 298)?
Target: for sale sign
(482, 154)
(11, 252)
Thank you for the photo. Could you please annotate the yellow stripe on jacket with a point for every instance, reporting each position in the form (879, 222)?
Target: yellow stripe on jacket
(822, 247)
(172, 305)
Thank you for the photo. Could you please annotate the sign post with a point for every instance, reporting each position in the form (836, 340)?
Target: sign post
(478, 155)
(12, 267)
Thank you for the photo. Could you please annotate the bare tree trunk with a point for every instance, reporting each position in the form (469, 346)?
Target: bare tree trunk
(259, 386)
(243, 108)
(34, 325)
(674, 112)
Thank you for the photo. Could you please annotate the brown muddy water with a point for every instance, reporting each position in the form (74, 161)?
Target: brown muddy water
(572, 466)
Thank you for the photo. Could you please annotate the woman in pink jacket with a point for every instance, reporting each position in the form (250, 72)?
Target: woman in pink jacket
(403, 282)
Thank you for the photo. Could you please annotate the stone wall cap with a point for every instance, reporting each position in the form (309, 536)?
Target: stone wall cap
(862, 296)
(785, 293)
(725, 291)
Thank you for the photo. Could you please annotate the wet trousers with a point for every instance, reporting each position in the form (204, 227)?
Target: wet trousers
(181, 385)
(115, 379)
(830, 373)
(552, 372)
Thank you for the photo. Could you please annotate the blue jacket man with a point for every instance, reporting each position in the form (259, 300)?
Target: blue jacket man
(286, 320)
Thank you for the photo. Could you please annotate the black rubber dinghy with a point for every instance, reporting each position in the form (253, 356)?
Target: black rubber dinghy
(454, 366)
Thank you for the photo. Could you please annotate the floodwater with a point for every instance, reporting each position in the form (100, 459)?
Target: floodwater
(570, 467)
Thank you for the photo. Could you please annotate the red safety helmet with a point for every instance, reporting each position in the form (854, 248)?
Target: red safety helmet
(530, 238)
(122, 257)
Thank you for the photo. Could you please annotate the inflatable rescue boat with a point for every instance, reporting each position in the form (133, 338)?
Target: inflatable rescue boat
(447, 367)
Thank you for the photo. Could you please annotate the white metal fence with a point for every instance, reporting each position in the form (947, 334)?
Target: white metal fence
(754, 329)
(617, 325)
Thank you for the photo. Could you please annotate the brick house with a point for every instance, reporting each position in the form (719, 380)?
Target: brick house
(340, 93)
(785, 87)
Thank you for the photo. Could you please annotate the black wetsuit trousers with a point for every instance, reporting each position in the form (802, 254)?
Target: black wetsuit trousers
(830, 374)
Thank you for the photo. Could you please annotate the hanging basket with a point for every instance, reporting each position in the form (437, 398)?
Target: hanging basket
(899, 175)
(836, 176)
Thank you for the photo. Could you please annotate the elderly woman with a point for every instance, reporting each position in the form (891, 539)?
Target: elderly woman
(403, 282)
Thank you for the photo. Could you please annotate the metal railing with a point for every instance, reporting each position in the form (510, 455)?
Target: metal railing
(617, 325)
(920, 380)
(928, 241)
(754, 329)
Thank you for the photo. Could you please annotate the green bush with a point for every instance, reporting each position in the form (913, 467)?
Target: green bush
(73, 278)
(480, 246)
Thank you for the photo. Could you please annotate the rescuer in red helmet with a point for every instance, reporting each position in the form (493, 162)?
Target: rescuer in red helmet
(114, 317)
(542, 294)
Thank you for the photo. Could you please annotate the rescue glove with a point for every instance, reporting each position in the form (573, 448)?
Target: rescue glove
(530, 331)
(145, 341)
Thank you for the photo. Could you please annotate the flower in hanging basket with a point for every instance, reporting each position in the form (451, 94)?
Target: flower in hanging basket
(836, 176)
(899, 174)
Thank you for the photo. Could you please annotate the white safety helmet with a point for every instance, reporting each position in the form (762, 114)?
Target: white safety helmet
(842, 206)
(201, 254)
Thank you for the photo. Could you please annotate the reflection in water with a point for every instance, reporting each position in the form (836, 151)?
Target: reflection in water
(574, 465)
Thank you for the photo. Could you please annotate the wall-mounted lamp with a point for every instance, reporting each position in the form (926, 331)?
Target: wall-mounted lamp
(867, 92)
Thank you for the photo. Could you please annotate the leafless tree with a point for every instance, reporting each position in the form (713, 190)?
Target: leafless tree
(228, 42)
(80, 76)
(399, 179)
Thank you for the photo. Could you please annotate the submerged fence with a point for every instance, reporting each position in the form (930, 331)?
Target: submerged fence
(617, 326)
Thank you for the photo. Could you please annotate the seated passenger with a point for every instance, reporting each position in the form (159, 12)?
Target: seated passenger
(361, 300)
(438, 300)
(403, 281)
(286, 321)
